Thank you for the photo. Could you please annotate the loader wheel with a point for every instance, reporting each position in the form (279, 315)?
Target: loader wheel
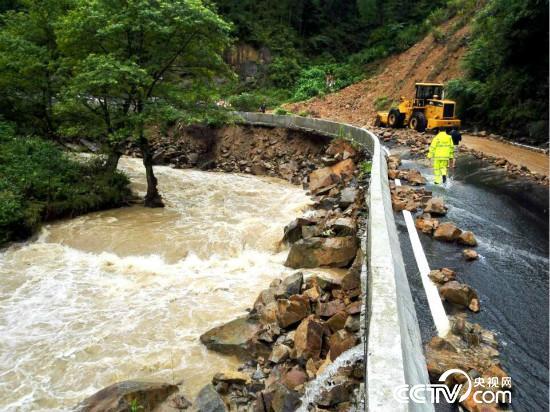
(395, 119)
(418, 122)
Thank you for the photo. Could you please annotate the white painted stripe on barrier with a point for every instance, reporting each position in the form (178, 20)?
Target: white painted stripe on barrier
(432, 294)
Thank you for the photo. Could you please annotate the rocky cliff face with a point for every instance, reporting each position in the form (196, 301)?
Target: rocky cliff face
(247, 60)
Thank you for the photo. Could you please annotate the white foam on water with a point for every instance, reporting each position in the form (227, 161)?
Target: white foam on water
(323, 381)
(81, 307)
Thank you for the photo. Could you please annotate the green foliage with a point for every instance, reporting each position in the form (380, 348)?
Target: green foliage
(135, 406)
(312, 81)
(284, 72)
(365, 168)
(246, 102)
(280, 111)
(30, 72)
(39, 182)
(383, 103)
(439, 35)
(438, 16)
(506, 87)
(138, 62)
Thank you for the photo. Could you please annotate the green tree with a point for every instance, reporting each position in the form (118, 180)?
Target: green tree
(506, 86)
(137, 62)
(30, 75)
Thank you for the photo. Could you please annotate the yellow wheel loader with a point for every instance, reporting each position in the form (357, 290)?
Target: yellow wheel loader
(429, 109)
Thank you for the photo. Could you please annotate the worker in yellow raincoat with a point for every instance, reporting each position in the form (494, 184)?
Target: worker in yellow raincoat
(441, 151)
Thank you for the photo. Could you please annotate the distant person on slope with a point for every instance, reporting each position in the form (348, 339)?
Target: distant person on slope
(441, 151)
(457, 137)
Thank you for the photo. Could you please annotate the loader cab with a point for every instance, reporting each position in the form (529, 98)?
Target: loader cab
(427, 91)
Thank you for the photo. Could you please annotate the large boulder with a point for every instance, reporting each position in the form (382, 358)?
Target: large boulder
(316, 252)
(308, 339)
(470, 254)
(447, 232)
(120, 396)
(339, 147)
(337, 321)
(352, 279)
(340, 342)
(277, 398)
(291, 285)
(328, 309)
(280, 353)
(414, 177)
(231, 376)
(342, 226)
(339, 393)
(321, 178)
(467, 238)
(460, 294)
(209, 400)
(442, 275)
(348, 196)
(294, 377)
(343, 169)
(292, 310)
(436, 206)
(237, 337)
(426, 224)
(293, 231)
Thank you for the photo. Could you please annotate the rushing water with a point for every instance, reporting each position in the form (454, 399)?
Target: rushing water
(510, 220)
(125, 293)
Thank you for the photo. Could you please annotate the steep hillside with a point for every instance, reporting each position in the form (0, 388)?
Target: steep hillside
(429, 60)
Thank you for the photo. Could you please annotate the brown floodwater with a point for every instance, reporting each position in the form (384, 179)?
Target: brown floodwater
(126, 293)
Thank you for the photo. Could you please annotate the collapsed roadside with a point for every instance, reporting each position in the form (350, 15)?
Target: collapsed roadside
(300, 326)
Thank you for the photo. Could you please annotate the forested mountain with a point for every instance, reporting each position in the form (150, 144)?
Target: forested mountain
(105, 70)
(506, 81)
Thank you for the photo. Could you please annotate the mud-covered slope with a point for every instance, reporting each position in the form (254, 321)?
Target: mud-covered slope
(428, 60)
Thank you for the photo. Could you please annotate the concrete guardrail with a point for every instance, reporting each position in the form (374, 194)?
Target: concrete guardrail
(393, 347)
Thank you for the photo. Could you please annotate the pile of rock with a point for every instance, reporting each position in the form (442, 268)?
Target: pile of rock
(408, 198)
(473, 350)
(413, 176)
(296, 328)
(418, 142)
(458, 294)
(289, 154)
(511, 168)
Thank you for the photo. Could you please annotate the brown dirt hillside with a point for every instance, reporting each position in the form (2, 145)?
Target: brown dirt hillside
(428, 60)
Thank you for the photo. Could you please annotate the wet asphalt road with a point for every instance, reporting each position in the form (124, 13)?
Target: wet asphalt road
(510, 220)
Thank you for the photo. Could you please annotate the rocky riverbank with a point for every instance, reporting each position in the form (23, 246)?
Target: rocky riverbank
(468, 347)
(265, 151)
(299, 326)
(419, 143)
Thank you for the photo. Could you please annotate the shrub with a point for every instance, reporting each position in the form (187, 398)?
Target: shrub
(280, 111)
(283, 72)
(439, 35)
(383, 103)
(310, 84)
(245, 102)
(369, 55)
(39, 182)
(439, 16)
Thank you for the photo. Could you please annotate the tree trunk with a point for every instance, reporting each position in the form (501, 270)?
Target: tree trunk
(112, 160)
(152, 198)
